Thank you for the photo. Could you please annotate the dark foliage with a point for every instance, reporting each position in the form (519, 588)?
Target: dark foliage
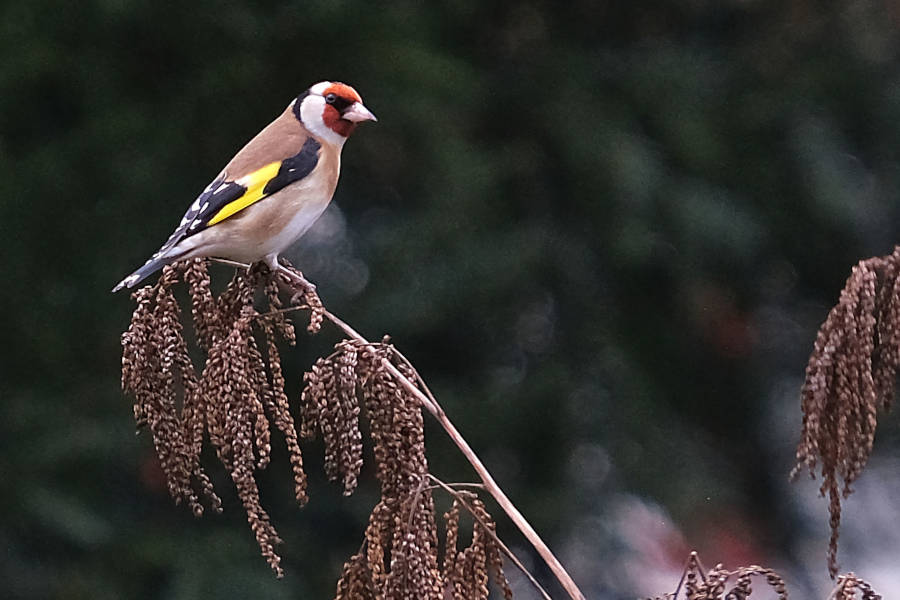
(606, 233)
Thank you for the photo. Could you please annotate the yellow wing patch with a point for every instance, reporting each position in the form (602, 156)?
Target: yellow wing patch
(255, 182)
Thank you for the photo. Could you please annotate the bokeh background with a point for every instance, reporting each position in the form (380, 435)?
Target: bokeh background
(605, 232)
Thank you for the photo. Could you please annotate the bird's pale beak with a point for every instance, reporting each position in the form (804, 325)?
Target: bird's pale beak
(357, 113)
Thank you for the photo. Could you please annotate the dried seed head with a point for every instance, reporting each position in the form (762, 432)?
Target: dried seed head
(401, 527)
(356, 581)
(712, 585)
(234, 400)
(851, 372)
(240, 393)
(851, 587)
(156, 370)
(203, 304)
(466, 572)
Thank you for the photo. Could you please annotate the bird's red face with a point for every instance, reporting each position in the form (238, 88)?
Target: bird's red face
(343, 109)
(332, 110)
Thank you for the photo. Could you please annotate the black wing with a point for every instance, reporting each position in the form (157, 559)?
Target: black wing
(223, 198)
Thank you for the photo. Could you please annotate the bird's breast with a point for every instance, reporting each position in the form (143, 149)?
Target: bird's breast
(299, 205)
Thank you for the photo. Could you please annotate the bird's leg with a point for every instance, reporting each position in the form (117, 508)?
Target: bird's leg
(272, 262)
(295, 276)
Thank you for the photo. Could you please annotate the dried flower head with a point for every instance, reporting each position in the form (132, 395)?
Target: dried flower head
(240, 393)
(330, 405)
(851, 372)
(158, 372)
(233, 400)
(466, 572)
(400, 556)
(721, 584)
(851, 587)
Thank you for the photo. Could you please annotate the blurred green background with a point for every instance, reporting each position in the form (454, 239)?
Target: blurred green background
(604, 232)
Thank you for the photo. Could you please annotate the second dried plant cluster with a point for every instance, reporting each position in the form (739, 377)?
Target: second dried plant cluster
(720, 583)
(852, 372)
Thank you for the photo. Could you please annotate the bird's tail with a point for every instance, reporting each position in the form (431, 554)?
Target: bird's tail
(155, 263)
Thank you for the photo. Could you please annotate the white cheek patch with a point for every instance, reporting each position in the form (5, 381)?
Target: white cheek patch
(311, 110)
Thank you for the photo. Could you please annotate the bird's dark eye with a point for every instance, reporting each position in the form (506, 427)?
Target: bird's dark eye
(330, 98)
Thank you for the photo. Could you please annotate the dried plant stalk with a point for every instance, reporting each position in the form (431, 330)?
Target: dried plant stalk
(240, 393)
(416, 387)
(851, 373)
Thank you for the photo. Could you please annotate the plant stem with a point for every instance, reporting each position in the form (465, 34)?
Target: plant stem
(432, 406)
(490, 484)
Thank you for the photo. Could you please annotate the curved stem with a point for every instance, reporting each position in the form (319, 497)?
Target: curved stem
(490, 484)
(432, 406)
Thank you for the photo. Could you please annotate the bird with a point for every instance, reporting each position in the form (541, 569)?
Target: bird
(274, 188)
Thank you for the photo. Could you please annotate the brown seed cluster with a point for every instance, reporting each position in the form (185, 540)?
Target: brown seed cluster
(399, 558)
(721, 584)
(232, 401)
(240, 393)
(158, 372)
(466, 572)
(851, 373)
(716, 585)
(851, 587)
(331, 407)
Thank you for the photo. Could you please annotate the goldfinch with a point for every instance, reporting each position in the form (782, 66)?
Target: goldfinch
(273, 190)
